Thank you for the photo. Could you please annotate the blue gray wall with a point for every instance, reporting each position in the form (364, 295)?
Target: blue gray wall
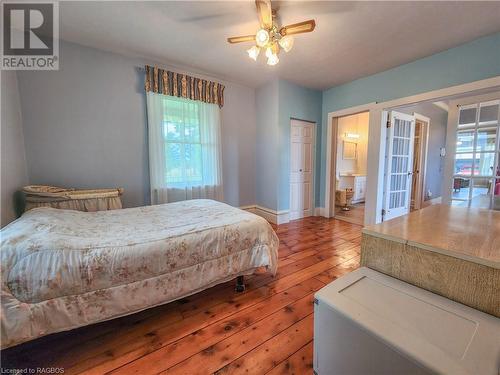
(303, 104)
(437, 138)
(277, 103)
(267, 143)
(13, 160)
(476, 60)
(85, 126)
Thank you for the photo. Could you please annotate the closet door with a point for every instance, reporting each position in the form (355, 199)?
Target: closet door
(301, 169)
(399, 164)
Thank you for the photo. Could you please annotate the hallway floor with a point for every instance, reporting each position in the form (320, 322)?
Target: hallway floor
(356, 214)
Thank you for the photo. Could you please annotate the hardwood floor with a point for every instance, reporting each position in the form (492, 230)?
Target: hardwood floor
(266, 329)
(355, 215)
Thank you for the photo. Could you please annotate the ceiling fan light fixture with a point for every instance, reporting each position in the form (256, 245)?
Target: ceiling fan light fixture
(286, 43)
(269, 52)
(262, 37)
(273, 59)
(271, 37)
(253, 52)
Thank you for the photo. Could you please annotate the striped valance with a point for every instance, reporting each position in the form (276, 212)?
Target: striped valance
(175, 84)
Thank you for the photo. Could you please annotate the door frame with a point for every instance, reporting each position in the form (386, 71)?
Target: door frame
(331, 152)
(313, 172)
(376, 134)
(424, 148)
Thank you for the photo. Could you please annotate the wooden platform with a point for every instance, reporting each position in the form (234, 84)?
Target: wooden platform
(451, 251)
(266, 329)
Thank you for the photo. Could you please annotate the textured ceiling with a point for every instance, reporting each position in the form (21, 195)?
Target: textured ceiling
(351, 40)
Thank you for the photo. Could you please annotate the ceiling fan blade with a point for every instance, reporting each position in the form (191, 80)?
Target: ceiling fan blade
(298, 28)
(240, 39)
(265, 13)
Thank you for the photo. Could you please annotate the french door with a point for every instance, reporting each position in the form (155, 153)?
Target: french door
(399, 164)
(475, 172)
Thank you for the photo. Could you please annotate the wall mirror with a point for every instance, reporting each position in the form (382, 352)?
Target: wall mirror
(349, 150)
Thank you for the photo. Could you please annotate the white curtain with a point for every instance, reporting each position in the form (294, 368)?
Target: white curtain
(184, 149)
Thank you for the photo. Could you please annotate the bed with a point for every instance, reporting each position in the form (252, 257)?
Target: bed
(63, 269)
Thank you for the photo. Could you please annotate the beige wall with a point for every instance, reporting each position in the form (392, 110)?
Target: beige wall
(353, 124)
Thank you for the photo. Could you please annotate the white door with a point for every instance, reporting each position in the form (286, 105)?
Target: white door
(399, 164)
(301, 169)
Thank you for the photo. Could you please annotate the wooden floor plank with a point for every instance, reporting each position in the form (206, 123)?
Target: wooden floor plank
(228, 350)
(266, 356)
(217, 329)
(299, 363)
(170, 355)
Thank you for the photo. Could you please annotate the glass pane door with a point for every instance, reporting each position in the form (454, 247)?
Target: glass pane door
(476, 179)
(400, 137)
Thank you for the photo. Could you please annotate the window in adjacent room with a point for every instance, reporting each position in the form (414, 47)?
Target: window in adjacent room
(476, 179)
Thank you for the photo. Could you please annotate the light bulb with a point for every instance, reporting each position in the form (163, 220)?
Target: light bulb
(352, 135)
(286, 43)
(262, 37)
(269, 52)
(273, 59)
(253, 52)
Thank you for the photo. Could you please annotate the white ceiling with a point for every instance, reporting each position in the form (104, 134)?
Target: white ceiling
(351, 40)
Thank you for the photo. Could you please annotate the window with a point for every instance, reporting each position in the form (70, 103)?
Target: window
(184, 149)
(183, 145)
(475, 181)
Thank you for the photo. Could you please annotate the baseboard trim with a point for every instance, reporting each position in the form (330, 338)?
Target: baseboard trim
(278, 217)
(320, 211)
(273, 216)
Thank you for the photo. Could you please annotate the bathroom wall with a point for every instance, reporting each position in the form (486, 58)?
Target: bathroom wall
(356, 124)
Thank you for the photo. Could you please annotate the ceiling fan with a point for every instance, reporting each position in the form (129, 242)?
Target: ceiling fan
(270, 36)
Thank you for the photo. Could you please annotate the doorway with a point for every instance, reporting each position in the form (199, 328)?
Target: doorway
(422, 180)
(350, 167)
(301, 168)
(420, 145)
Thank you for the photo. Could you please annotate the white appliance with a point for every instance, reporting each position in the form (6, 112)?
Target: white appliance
(369, 323)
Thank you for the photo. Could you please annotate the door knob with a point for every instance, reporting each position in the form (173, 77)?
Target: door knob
(300, 170)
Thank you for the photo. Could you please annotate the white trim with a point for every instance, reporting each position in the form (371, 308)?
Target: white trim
(320, 211)
(277, 217)
(377, 135)
(273, 216)
(249, 208)
(442, 105)
(434, 95)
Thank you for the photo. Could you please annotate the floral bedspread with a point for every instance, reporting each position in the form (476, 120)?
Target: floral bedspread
(63, 269)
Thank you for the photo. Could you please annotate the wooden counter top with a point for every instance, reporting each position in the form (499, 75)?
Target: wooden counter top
(466, 233)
